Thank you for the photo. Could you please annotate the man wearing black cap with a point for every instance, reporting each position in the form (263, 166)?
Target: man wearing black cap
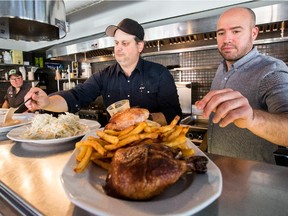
(145, 84)
(16, 92)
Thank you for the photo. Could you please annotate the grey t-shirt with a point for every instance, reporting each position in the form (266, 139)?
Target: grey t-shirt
(264, 81)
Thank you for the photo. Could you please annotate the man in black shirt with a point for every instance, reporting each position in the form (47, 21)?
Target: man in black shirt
(145, 84)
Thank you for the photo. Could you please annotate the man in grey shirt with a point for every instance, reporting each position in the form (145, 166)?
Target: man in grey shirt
(248, 101)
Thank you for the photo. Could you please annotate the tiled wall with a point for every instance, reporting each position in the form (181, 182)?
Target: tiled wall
(205, 63)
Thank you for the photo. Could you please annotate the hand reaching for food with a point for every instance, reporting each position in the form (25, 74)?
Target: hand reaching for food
(228, 107)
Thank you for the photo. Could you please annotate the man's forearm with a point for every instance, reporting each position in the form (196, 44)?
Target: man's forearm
(272, 127)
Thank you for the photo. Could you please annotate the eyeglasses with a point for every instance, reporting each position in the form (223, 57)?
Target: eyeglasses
(17, 78)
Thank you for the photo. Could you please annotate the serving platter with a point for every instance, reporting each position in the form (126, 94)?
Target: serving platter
(189, 195)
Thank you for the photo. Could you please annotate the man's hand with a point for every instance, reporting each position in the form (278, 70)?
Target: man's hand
(229, 107)
(40, 100)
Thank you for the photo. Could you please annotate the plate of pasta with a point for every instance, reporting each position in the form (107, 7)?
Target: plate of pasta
(47, 130)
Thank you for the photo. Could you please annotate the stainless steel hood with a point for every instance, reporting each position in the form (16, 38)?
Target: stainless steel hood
(183, 36)
(32, 20)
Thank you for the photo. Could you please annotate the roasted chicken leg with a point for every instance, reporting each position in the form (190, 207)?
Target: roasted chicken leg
(143, 171)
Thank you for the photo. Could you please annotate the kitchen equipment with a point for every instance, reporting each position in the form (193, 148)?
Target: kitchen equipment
(185, 96)
(198, 126)
(30, 75)
(94, 114)
(23, 71)
(33, 20)
(193, 118)
(95, 111)
(281, 156)
(46, 79)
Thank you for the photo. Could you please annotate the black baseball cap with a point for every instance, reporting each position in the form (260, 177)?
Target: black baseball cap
(14, 72)
(127, 25)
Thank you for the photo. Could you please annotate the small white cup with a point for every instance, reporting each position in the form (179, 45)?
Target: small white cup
(118, 107)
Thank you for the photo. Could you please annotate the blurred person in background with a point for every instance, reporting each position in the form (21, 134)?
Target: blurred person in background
(16, 92)
(248, 101)
(145, 84)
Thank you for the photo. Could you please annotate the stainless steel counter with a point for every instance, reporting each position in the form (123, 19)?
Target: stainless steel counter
(33, 174)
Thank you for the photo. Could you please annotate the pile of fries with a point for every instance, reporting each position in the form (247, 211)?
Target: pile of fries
(101, 149)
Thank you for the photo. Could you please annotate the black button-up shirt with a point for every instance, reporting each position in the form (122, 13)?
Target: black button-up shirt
(150, 86)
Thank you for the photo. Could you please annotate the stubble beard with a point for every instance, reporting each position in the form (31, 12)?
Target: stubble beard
(229, 56)
(236, 54)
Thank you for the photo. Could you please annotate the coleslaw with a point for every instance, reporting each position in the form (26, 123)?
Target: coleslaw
(45, 126)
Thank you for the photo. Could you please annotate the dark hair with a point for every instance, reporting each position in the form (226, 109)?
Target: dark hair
(137, 39)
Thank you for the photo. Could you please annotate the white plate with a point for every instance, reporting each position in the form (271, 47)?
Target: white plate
(183, 198)
(3, 111)
(93, 125)
(17, 135)
(24, 118)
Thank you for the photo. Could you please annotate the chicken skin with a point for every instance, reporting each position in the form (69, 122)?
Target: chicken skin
(126, 118)
(143, 171)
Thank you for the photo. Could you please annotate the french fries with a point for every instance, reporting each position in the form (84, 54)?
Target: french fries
(100, 150)
(130, 139)
(93, 143)
(107, 137)
(137, 130)
(84, 161)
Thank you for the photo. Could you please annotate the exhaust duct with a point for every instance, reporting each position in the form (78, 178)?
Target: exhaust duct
(189, 35)
(32, 20)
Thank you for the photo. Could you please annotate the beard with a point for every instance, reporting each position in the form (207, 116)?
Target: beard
(232, 55)
(235, 53)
